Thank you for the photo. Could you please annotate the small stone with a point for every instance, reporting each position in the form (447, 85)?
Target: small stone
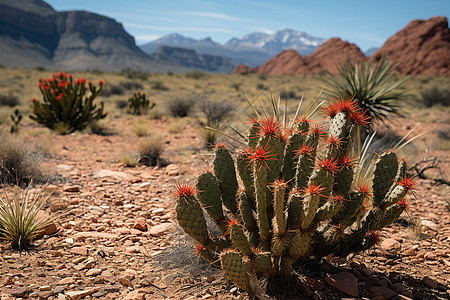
(135, 295)
(58, 289)
(430, 256)
(210, 279)
(130, 274)
(161, 229)
(93, 272)
(69, 240)
(71, 188)
(44, 294)
(140, 225)
(345, 282)
(45, 288)
(430, 283)
(75, 295)
(125, 281)
(172, 170)
(79, 250)
(66, 281)
(430, 225)
(100, 293)
(132, 249)
(392, 246)
(8, 280)
(21, 292)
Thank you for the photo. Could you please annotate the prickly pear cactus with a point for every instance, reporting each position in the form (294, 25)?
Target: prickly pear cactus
(298, 198)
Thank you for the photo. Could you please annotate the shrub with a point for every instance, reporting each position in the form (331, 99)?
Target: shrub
(374, 86)
(16, 164)
(215, 111)
(121, 104)
(131, 85)
(209, 131)
(287, 94)
(138, 104)
(435, 96)
(134, 74)
(140, 128)
(159, 85)
(294, 205)
(9, 100)
(67, 106)
(20, 223)
(130, 159)
(196, 75)
(180, 106)
(150, 150)
(16, 117)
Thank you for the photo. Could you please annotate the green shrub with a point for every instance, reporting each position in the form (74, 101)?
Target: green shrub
(67, 106)
(435, 96)
(196, 75)
(20, 223)
(180, 106)
(374, 86)
(138, 104)
(9, 100)
(159, 85)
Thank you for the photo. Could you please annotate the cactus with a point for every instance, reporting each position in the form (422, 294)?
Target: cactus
(138, 104)
(298, 200)
(15, 118)
(67, 106)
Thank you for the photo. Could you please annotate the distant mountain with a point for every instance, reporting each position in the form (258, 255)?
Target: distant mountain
(252, 49)
(370, 51)
(274, 43)
(33, 34)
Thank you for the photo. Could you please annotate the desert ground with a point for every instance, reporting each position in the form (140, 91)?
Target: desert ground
(116, 235)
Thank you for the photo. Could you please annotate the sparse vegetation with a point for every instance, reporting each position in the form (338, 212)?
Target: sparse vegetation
(138, 104)
(130, 159)
(140, 127)
(374, 86)
(9, 100)
(67, 106)
(16, 118)
(181, 106)
(196, 75)
(150, 150)
(435, 96)
(17, 166)
(20, 223)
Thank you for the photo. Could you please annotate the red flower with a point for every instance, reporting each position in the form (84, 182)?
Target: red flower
(33, 100)
(101, 82)
(90, 82)
(403, 203)
(359, 118)
(270, 127)
(314, 189)
(328, 165)
(261, 155)
(185, 190)
(346, 162)
(330, 110)
(365, 190)
(304, 149)
(408, 183)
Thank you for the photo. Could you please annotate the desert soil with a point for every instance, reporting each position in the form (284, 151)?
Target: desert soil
(117, 237)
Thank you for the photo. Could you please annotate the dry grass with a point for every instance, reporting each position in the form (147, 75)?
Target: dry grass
(150, 150)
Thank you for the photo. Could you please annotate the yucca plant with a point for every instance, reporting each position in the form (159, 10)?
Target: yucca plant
(19, 221)
(374, 86)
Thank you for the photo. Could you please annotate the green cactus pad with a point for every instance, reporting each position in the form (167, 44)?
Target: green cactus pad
(235, 269)
(343, 181)
(191, 219)
(262, 262)
(310, 206)
(226, 177)
(253, 137)
(299, 244)
(240, 240)
(296, 213)
(279, 221)
(349, 210)
(328, 210)
(245, 170)
(290, 158)
(278, 244)
(384, 174)
(209, 197)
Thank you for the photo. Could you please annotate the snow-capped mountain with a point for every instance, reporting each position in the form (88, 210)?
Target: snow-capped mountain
(274, 43)
(252, 49)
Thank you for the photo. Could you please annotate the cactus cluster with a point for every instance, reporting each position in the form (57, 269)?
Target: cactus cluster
(138, 104)
(297, 200)
(16, 118)
(67, 106)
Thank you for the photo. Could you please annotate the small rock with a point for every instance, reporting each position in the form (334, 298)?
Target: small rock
(430, 225)
(345, 282)
(392, 246)
(140, 225)
(45, 288)
(125, 281)
(8, 280)
(108, 173)
(132, 249)
(75, 295)
(430, 256)
(100, 293)
(58, 289)
(135, 295)
(161, 229)
(79, 250)
(210, 279)
(69, 240)
(21, 292)
(430, 283)
(130, 274)
(172, 170)
(66, 281)
(93, 272)
(71, 188)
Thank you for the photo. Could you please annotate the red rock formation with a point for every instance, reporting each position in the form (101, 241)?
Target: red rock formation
(286, 62)
(331, 54)
(422, 47)
(242, 69)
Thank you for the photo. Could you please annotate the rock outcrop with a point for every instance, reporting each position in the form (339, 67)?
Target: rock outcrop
(421, 48)
(327, 57)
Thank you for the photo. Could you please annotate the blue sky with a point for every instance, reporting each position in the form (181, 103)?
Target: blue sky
(365, 23)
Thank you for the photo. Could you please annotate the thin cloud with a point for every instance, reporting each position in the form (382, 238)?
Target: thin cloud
(147, 37)
(178, 28)
(213, 15)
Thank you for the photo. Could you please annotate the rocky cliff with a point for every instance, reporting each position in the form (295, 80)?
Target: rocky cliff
(422, 47)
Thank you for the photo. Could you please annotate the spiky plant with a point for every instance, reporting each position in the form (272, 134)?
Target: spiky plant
(19, 221)
(300, 197)
(374, 86)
